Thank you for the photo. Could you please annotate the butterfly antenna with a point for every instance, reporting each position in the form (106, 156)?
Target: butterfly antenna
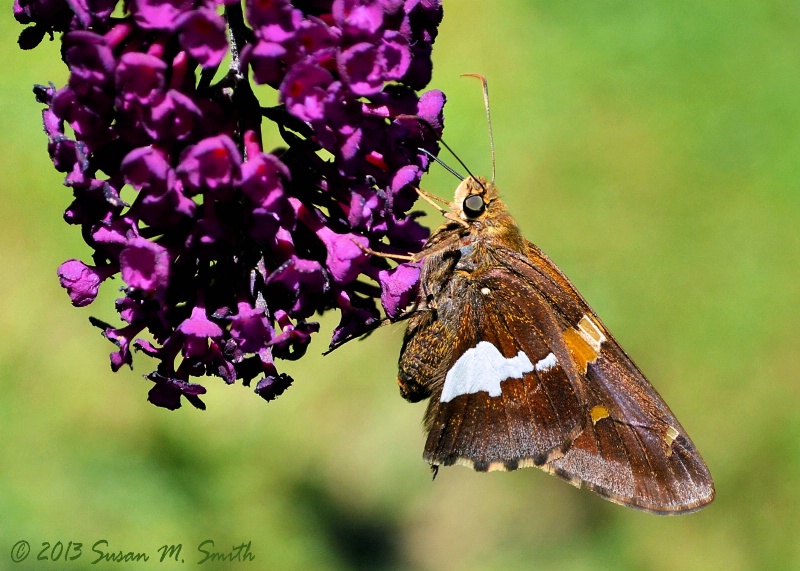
(426, 123)
(447, 167)
(452, 152)
(488, 114)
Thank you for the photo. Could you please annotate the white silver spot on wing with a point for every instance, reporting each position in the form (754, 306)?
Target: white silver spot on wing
(485, 291)
(547, 363)
(591, 333)
(483, 368)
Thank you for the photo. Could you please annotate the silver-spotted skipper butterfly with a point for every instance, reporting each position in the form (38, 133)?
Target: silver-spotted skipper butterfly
(520, 371)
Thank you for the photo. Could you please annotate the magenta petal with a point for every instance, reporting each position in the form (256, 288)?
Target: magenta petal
(345, 257)
(395, 56)
(89, 58)
(360, 66)
(398, 288)
(140, 77)
(358, 18)
(274, 20)
(159, 14)
(202, 34)
(116, 235)
(303, 280)
(262, 177)
(198, 330)
(250, 328)
(175, 116)
(211, 164)
(145, 266)
(266, 59)
(431, 106)
(81, 281)
(304, 89)
(145, 166)
(199, 325)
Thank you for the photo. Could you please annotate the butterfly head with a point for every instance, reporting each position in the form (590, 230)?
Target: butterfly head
(477, 204)
(475, 199)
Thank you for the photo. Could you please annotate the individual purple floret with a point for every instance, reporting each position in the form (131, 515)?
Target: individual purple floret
(224, 249)
(82, 281)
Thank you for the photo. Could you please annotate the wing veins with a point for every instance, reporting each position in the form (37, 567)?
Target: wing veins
(551, 301)
(539, 385)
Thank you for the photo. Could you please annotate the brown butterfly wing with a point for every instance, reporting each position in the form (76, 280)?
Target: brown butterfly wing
(633, 450)
(593, 419)
(638, 455)
(533, 418)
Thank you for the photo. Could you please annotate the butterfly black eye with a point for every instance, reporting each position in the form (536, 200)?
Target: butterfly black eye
(474, 206)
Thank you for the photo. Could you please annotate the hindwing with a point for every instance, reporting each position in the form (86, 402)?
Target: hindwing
(521, 372)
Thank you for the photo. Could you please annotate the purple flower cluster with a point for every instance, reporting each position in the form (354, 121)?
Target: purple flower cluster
(225, 250)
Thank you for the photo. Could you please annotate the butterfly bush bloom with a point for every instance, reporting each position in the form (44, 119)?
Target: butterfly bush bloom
(225, 224)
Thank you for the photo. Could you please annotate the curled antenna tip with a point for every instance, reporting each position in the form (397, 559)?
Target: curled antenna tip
(476, 75)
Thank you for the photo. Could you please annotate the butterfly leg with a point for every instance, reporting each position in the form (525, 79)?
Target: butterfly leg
(397, 257)
(432, 198)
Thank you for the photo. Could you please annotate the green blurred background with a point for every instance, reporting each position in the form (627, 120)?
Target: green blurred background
(651, 148)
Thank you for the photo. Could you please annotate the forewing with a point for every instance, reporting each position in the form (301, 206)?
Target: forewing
(632, 449)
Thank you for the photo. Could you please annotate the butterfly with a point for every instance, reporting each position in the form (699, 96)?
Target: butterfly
(520, 371)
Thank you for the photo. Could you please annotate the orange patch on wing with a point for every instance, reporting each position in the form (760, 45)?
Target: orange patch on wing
(584, 342)
(598, 413)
